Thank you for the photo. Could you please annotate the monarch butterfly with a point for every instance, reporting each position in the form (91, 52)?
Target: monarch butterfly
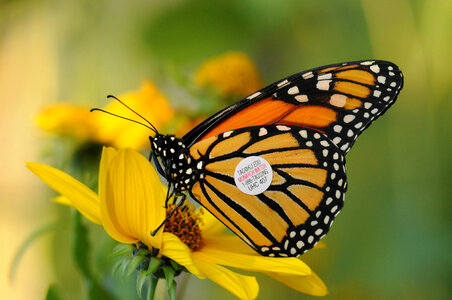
(271, 167)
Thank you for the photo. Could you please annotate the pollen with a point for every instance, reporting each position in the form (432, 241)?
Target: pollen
(184, 223)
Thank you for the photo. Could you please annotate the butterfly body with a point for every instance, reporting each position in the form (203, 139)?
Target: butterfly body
(292, 137)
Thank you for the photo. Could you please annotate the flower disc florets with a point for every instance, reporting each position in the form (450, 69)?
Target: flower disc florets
(184, 223)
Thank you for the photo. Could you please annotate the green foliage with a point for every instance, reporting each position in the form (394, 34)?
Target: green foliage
(52, 293)
(141, 279)
(170, 283)
(26, 244)
(81, 253)
(392, 239)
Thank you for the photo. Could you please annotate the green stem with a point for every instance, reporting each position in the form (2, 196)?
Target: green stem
(152, 287)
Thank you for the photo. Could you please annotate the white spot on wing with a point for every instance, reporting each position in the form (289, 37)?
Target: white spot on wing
(337, 140)
(338, 100)
(283, 83)
(323, 85)
(337, 128)
(375, 68)
(325, 76)
(304, 134)
(254, 95)
(262, 131)
(227, 133)
(381, 79)
(301, 98)
(307, 75)
(349, 118)
(282, 128)
(293, 90)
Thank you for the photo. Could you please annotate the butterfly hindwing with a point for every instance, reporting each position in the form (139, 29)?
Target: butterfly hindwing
(338, 100)
(304, 196)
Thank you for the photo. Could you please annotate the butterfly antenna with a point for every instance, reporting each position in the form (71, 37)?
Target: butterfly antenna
(121, 117)
(155, 129)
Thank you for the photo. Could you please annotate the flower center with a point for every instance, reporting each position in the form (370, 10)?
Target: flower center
(184, 223)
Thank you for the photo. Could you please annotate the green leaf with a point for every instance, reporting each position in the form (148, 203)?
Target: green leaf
(117, 266)
(154, 264)
(175, 265)
(52, 293)
(96, 291)
(26, 244)
(134, 263)
(124, 266)
(141, 279)
(152, 287)
(81, 253)
(122, 249)
(81, 247)
(170, 283)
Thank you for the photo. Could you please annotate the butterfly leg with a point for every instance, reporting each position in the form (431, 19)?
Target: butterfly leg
(158, 166)
(179, 204)
(169, 195)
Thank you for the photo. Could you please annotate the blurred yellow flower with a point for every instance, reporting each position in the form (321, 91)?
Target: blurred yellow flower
(232, 73)
(130, 205)
(148, 101)
(66, 119)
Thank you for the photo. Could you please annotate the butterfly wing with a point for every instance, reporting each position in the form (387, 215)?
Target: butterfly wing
(339, 100)
(304, 196)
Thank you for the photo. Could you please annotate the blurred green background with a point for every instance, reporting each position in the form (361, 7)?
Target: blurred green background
(393, 238)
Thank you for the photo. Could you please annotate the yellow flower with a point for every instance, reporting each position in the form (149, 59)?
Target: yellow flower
(66, 119)
(130, 205)
(149, 102)
(233, 74)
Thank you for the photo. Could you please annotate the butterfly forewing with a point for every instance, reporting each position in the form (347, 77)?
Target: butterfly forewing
(304, 196)
(339, 100)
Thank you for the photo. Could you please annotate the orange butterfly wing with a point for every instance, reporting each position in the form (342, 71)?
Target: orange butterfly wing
(305, 194)
(339, 100)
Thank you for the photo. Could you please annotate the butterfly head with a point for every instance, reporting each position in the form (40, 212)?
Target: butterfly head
(166, 146)
(179, 167)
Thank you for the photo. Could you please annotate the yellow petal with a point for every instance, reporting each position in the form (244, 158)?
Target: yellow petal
(175, 249)
(63, 200)
(108, 153)
(67, 119)
(255, 262)
(148, 99)
(244, 287)
(210, 226)
(310, 284)
(81, 197)
(229, 242)
(232, 73)
(133, 205)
